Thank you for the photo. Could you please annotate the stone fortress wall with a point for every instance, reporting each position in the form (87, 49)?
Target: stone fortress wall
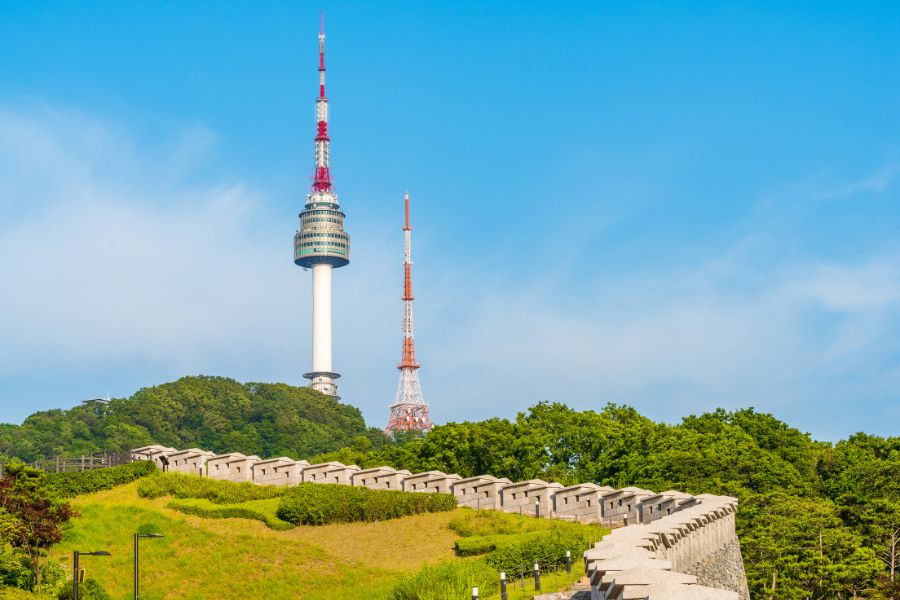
(668, 545)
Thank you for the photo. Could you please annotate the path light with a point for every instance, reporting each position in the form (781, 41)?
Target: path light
(75, 556)
(137, 537)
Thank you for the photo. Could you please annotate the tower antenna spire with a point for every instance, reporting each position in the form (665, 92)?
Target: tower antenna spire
(409, 412)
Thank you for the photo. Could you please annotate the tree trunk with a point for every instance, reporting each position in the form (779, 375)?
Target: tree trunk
(895, 538)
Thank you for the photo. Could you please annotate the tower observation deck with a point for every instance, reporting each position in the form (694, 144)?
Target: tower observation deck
(321, 244)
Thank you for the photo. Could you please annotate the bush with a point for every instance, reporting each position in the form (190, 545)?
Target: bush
(229, 512)
(191, 486)
(546, 548)
(11, 593)
(68, 485)
(15, 569)
(318, 504)
(89, 590)
(448, 581)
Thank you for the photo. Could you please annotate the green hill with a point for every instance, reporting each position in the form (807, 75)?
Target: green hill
(213, 557)
(214, 413)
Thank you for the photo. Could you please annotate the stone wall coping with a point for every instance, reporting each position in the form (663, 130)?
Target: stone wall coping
(284, 460)
(628, 492)
(193, 452)
(342, 467)
(332, 463)
(648, 577)
(392, 474)
(483, 479)
(153, 448)
(232, 458)
(427, 474)
(630, 555)
(384, 469)
(667, 495)
(579, 488)
(532, 485)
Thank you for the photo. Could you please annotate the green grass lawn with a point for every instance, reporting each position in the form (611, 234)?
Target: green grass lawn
(209, 558)
(203, 558)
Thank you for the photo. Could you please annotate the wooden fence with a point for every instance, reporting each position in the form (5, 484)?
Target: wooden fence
(73, 464)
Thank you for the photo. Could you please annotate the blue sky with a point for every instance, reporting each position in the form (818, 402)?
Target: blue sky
(672, 205)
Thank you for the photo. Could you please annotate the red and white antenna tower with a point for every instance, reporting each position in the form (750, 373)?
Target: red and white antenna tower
(409, 412)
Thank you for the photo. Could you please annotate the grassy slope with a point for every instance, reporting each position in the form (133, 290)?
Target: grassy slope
(239, 558)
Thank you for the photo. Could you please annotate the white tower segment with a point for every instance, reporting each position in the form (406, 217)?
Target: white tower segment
(321, 244)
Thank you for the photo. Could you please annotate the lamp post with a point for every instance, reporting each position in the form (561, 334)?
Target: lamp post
(137, 537)
(75, 555)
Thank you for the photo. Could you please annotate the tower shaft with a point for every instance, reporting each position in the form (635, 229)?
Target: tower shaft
(321, 348)
(409, 412)
(321, 244)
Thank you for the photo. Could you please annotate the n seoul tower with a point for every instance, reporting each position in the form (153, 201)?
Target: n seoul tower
(409, 412)
(321, 243)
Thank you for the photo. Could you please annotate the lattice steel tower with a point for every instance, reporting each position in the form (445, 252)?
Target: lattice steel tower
(409, 412)
(321, 243)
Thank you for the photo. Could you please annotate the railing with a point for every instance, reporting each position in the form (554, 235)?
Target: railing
(74, 464)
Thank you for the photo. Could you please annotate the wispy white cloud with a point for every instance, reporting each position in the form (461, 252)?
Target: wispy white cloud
(105, 256)
(877, 182)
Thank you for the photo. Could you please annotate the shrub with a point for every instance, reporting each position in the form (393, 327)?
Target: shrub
(547, 548)
(447, 581)
(229, 512)
(89, 590)
(191, 486)
(318, 504)
(68, 485)
(9, 593)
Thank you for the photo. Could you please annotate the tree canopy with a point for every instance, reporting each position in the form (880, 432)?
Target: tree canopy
(214, 413)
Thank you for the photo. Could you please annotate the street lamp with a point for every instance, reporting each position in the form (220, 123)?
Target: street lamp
(75, 556)
(137, 537)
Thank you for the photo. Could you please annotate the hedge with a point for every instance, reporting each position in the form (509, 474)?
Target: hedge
(468, 522)
(452, 580)
(318, 504)
(68, 485)
(546, 548)
(181, 485)
(228, 512)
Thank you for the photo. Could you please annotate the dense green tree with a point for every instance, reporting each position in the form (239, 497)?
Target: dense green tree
(214, 413)
(31, 518)
(801, 547)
